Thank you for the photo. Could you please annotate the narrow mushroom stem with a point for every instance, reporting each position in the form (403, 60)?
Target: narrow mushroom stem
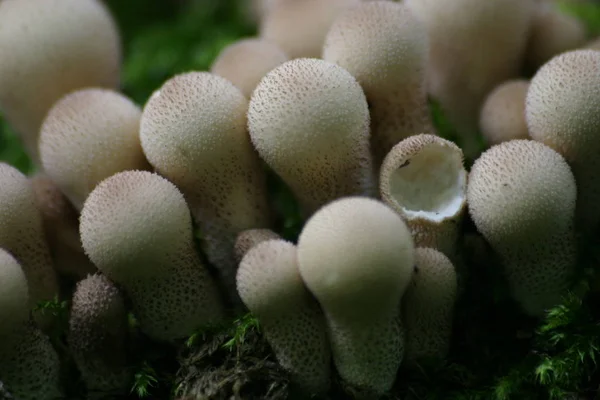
(30, 366)
(245, 62)
(270, 285)
(136, 228)
(423, 179)
(562, 112)
(385, 48)
(61, 227)
(428, 306)
(97, 336)
(55, 47)
(194, 132)
(356, 256)
(309, 121)
(22, 234)
(521, 196)
(87, 136)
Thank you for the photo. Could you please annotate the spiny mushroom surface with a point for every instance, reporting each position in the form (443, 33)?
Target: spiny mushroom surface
(309, 120)
(30, 365)
(562, 112)
(299, 27)
(245, 62)
(22, 234)
(385, 48)
(462, 69)
(553, 32)
(194, 132)
(249, 238)
(97, 336)
(136, 228)
(521, 196)
(503, 113)
(423, 179)
(356, 256)
(55, 47)
(428, 306)
(87, 136)
(270, 285)
(61, 226)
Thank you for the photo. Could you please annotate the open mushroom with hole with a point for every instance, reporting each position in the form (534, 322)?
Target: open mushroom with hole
(423, 179)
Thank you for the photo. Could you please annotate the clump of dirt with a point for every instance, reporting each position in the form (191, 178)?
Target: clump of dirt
(217, 370)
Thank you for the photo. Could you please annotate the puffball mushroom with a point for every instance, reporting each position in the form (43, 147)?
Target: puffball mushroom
(299, 27)
(503, 113)
(61, 226)
(30, 365)
(22, 234)
(309, 120)
(356, 256)
(521, 196)
(423, 179)
(97, 336)
(462, 69)
(55, 47)
(87, 136)
(562, 112)
(245, 62)
(194, 133)
(270, 285)
(428, 306)
(136, 228)
(385, 48)
(553, 32)
(249, 238)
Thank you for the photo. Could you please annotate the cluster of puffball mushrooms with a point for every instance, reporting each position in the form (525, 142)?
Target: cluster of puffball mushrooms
(332, 96)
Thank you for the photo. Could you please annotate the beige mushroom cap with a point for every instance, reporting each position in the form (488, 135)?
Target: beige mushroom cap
(87, 136)
(245, 62)
(503, 113)
(55, 47)
(299, 27)
(14, 295)
(309, 120)
(249, 238)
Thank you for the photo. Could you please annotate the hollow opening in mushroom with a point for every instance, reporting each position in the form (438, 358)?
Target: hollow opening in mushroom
(430, 184)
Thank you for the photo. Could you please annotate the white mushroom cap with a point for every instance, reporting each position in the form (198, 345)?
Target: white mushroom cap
(423, 179)
(14, 295)
(428, 306)
(55, 47)
(88, 136)
(356, 256)
(97, 336)
(247, 61)
(249, 238)
(22, 235)
(309, 120)
(384, 46)
(136, 227)
(521, 196)
(299, 27)
(562, 112)
(270, 285)
(503, 113)
(194, 133)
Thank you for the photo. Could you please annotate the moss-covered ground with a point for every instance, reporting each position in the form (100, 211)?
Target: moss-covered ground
(497, 353)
